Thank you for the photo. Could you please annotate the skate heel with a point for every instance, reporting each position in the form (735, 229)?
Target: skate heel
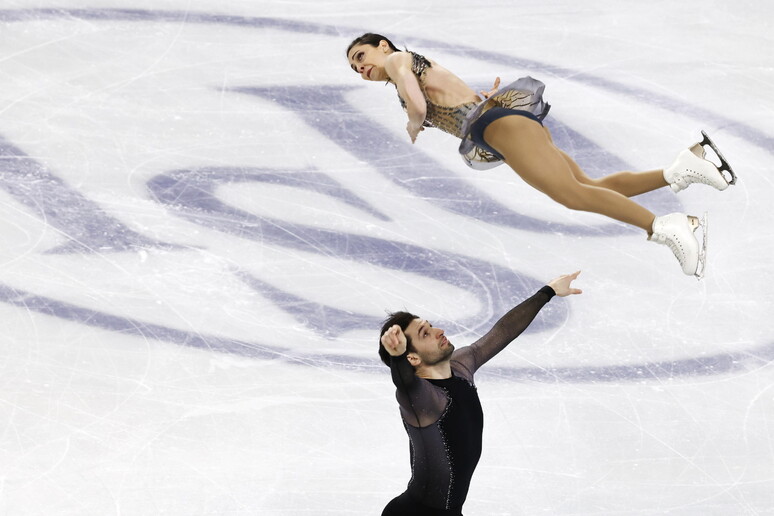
(692, 166)
(676, 231)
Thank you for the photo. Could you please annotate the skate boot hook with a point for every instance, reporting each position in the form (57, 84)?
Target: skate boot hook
(691, 166)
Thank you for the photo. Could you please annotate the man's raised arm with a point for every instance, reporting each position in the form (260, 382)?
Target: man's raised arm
(513, 323)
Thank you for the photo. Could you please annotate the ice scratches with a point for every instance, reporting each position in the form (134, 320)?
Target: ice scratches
(747, 132)
(171, 16)
(720, 364)
(128, 326)
(164, 187)
(82, 222)
(192, 194)
(326, 321)
(400, 161)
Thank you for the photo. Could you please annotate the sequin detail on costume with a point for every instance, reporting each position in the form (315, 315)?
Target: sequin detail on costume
(525, 94)
(449, 119)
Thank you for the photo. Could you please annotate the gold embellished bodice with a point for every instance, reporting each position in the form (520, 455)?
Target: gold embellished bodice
(449, 119)
(524, 94)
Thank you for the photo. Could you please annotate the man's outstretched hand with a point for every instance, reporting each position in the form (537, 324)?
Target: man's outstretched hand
(562, 285)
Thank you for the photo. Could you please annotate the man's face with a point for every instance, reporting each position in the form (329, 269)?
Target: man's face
(430, 344)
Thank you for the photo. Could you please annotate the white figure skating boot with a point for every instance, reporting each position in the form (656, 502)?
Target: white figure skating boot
(691, 166)
(676, 230)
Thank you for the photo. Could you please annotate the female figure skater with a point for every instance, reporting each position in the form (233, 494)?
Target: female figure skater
(506, 126)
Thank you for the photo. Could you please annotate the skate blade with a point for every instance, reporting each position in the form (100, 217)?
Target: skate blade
(724, 166)
(702, 265)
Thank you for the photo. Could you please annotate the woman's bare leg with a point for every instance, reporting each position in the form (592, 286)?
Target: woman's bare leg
(626, 183)
(529, 151)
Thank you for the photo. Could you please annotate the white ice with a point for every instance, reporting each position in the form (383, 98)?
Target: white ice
(201, 351)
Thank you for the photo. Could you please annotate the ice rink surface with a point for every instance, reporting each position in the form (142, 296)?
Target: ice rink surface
(205, 215)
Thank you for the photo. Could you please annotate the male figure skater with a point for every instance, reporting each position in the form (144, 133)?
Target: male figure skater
(439, 403)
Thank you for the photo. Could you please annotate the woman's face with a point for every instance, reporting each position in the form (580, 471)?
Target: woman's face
(368, 61)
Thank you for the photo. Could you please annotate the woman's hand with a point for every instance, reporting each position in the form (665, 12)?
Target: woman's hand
(413, 130)
(562, 287)
(487, 94)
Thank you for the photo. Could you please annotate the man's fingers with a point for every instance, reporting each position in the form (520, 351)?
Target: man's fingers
(391, 337)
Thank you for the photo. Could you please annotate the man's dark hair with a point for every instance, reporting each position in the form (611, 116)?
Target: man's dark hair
(402, 319)
(369, 38)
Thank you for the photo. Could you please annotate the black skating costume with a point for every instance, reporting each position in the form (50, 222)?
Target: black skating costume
(444, 421)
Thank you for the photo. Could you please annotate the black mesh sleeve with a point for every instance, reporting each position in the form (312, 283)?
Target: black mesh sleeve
(505, 330)
(421, 403)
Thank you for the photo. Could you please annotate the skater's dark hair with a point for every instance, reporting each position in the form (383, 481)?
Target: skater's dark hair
(402, 319)
(369, 38)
